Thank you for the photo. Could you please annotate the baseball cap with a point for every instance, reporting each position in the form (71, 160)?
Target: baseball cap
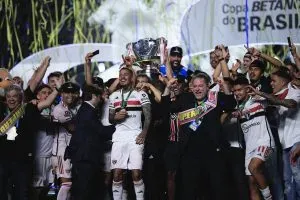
(176, 51)
(98, 81)
(258, 63)
(70, 87)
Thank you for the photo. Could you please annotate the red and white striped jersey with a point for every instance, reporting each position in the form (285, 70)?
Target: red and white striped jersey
(131, 127)
(255, 125)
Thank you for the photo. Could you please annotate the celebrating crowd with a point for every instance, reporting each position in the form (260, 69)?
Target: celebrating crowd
(183, 135)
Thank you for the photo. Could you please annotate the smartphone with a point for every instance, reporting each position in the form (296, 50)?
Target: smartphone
(289, 41)
(95, 52)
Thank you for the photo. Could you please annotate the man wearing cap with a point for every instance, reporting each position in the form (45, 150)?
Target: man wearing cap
(63, 114)
(175, 60)
(125, 111)
(287, 98)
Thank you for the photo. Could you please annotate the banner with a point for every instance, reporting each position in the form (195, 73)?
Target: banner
(211, 22)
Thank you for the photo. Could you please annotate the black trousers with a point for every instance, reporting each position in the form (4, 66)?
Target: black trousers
(239, 188)
(204, 177)
(15, 177)
(155, 178)
(87, 181)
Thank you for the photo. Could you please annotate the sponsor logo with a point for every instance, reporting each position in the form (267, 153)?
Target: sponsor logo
(114, 162)
(246, 127)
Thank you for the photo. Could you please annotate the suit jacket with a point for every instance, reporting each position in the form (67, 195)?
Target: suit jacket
(87, 143)
(209, 132)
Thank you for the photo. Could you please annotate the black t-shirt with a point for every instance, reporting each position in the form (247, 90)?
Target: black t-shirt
(22, 147)
(157, 133)
(170, 110)
(28, 95)
(263, 85)
(208, 135)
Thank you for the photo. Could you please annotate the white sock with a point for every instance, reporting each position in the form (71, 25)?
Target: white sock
(117, 190)
(64, 191)
(139, 189)
(124, 194)
(266, 193)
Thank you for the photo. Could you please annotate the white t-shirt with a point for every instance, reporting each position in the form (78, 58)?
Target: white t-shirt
(62, 138)
(44, 142)
(131, 127)
(255, 126)
(289, 119)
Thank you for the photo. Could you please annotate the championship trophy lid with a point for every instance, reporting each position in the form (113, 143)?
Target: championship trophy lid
(147, 53)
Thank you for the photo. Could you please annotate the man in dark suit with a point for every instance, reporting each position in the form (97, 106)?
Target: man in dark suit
(86, 147)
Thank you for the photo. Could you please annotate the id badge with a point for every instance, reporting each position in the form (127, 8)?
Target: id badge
(194, 125)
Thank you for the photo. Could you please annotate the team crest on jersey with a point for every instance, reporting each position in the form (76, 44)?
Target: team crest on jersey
(114, 162)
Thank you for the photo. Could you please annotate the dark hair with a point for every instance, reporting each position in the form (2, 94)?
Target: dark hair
(143, 76)
(98, 81)
(248, 55)
(258, 63)
(110, 82)
(89, 90)
(42, 86)
(54, 74)
(288, 61)
(200, 74)
(241, 81)
(284, 73)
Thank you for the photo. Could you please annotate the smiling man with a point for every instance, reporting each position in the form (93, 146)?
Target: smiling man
(287, 98)
(125, 111)
(201, 144)
(258, 137)
(175, 62)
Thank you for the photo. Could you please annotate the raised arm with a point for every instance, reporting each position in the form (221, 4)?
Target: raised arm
(154, 90)
(256, 53)
(288, 103)
(39, 74)
(87, 69)
(295, 55)
(48, 102)
(169, 70)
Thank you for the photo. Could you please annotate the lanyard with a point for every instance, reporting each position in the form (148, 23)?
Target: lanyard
(202, 104)
(124, 101)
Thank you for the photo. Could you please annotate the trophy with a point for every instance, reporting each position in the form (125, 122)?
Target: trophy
(147, 53)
